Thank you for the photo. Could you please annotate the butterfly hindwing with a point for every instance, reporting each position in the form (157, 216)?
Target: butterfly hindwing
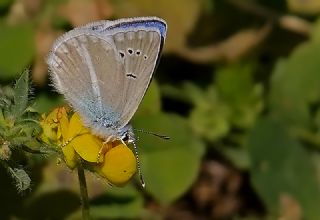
(85, 67)
(138, 51)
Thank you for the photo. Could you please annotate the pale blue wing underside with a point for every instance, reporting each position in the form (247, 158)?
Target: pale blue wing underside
(104, 69)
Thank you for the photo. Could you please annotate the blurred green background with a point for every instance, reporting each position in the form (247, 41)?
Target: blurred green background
(237, 90)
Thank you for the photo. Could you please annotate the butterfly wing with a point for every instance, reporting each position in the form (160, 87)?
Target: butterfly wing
(86, 68)
(104, 69)
(139, 43)
(139, 52)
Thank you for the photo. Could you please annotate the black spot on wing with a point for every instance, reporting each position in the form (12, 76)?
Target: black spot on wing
(131, 75)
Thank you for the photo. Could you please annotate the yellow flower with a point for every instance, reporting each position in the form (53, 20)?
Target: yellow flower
(113, 161)
(79, 138)
(51, 125)
(119, 165)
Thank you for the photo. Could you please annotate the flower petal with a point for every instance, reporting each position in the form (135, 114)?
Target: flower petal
(63, 123)
(76, 127)
(88, 147)
(119, 165)
(70, 156)
(51, 124)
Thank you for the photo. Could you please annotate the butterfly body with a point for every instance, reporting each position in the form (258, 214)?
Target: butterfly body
(104, 69)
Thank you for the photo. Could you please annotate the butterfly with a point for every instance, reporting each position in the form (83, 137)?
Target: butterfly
(104, 69)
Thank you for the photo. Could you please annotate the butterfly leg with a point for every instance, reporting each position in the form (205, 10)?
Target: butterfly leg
(106, 146)
(132, 140)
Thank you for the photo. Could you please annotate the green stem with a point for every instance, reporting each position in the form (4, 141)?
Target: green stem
(83, 192)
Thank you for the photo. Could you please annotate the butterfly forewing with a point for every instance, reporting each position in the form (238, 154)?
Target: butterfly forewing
(87, 70)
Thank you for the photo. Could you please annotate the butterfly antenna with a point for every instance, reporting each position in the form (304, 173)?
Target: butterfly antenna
(135, 148)
(154, 134)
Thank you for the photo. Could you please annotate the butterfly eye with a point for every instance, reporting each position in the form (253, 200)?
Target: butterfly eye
(145, 57)
(125, 137)
(138, 52)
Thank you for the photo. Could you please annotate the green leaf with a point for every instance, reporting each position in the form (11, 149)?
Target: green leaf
(118, 203)
(2, 120)
(238, 156)
(5, 4)
(115, 211)
(280, 166)
(235, 82)
(295, 86)
(234, 100)
(21, 178)
(54, 204)
(315, 33)
(196, 94)
(210, 116)
(16, 49)
(169, 167)
(44, 102)
(151, 103)
(189, 93)
(236, 87)
(211, 124)
(21, 93)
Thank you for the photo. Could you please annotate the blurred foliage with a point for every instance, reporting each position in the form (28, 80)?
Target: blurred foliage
(236, 90)
(18, 129)
(15, 41)
(276, 158)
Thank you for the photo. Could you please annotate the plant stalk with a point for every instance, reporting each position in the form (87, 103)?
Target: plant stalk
(83, 192)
